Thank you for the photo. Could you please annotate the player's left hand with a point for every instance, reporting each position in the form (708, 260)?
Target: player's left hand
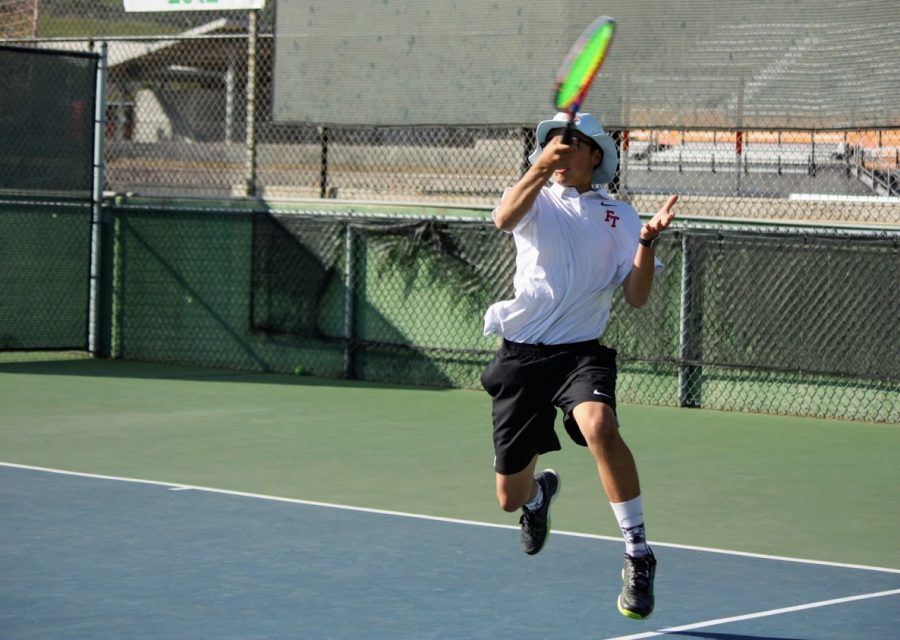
(661, 221)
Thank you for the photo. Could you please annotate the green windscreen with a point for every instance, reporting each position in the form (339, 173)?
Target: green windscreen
(47, 116)
(47, 101)
(44, 275)
(779, 320)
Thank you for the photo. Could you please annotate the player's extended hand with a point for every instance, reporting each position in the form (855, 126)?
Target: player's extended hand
(661, 221)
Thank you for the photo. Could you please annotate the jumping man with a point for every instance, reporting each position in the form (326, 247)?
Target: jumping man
(575, 245)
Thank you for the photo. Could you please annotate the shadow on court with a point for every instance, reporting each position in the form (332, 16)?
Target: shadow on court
(87, 367)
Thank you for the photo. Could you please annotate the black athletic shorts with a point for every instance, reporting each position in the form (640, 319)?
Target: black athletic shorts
(528, 381)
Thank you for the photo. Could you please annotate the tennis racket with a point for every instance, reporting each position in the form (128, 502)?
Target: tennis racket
(574, 78)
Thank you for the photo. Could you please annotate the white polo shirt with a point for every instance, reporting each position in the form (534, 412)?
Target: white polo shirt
(572, 252)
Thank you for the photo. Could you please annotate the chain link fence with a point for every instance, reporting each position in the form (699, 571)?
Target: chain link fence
(44, 266)
(401, 300)
(18, 18)
(751, 313)
(184, 119)
(786, 320)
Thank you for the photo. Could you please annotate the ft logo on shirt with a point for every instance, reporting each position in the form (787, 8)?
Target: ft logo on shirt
(611, 217)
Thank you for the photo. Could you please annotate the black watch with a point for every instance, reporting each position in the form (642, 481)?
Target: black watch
(651, 242)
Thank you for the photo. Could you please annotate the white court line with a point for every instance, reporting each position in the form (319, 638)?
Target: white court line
(759, 614)
(175, 486)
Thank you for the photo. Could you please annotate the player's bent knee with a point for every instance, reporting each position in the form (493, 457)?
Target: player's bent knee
(602, 431)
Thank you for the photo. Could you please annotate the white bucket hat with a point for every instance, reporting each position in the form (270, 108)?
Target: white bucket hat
(589, 126)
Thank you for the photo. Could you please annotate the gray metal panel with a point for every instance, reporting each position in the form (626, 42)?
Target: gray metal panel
(765, 64)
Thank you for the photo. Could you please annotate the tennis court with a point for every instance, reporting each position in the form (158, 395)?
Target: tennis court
(156, 501)
(192, 199)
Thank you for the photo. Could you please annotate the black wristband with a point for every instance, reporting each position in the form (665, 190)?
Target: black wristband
(648, 242)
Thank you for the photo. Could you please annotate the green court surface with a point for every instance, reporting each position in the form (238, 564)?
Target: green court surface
(794, 487)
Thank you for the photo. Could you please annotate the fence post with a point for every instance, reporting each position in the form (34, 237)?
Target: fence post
(250, 186)
(689, 375)
(739, 136)
(811, 169)
(349, 303)
(229, 99)
(323, 166)
(98, 307)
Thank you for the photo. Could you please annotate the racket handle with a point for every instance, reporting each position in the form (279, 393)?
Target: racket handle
(568, 133)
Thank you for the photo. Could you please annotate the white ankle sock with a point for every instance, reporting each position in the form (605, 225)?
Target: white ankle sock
(630, 515)
(537, 500)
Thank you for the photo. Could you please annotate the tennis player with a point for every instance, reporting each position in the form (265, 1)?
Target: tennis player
(575, 247)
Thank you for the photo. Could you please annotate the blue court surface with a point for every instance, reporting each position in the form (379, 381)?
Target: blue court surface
(94, 557)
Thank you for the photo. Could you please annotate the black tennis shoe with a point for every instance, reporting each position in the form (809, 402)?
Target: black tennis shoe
(636, 600)
(536, 524)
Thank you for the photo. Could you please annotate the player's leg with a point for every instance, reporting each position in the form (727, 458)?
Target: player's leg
(515, 489)
(618, 474)
(533, 494)
(523, 417)
(615, 464)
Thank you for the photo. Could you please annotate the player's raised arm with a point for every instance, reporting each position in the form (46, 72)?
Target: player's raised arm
(518, 200)
(639, 282)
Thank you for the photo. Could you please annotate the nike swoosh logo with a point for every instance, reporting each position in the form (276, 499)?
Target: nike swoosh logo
(597, 393)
